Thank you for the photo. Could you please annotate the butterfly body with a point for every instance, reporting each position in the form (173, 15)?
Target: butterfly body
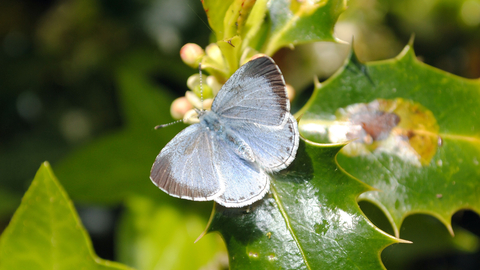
(210, 121)
(227, 156)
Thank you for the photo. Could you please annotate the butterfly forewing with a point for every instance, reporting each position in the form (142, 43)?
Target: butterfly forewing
(256, 93)
(251, 113)
(185, 166)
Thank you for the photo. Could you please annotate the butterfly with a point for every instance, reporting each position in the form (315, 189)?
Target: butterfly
(228, 155)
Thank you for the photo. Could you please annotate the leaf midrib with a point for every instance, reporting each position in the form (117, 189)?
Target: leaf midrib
(289, 225)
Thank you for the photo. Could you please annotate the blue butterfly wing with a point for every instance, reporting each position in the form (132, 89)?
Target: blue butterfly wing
(185, 168)
(245, 182)
(255, 93)
(274, 147)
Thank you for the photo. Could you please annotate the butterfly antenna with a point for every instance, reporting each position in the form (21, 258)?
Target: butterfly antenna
(201, 84)
(168, 124)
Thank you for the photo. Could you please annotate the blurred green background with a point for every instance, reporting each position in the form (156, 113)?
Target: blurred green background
(59, 82)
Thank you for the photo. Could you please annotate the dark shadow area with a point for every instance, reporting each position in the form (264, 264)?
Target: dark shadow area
(433, 247)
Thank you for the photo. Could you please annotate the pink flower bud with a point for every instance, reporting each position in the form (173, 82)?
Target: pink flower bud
(191, 54)
(179, 107)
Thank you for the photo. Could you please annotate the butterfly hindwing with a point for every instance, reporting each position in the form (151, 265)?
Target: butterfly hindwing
(228, 155)
(274, 148)
(185, 167)
(247, 183)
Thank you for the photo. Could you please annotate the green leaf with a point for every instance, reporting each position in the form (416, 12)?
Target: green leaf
(430, 238)
(46, 232)
(254, 23)
(310, 220)
(216, 10)
(121, 161)
(417, 131)
(234, 17)
(155, 235)
(242, 27)
(299, 22)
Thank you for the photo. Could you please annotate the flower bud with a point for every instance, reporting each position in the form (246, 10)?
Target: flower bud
(214, 84)
(191, 117)
(290, 92)
(207, 104)
(191, 54)
(193, 99)
(193, 83)
(257, 55)
(214, 52)
(179, 107)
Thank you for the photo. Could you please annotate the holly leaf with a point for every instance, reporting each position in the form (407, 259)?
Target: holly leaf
(299, 22)
(46, 233)
(289, 22)
(310, 220)
(415, 132)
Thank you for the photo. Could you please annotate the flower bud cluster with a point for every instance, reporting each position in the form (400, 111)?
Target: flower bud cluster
(204, 87)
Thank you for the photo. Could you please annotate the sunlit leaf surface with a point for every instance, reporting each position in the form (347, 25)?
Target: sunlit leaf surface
(416, 133)
(299, 22)
(310, 220)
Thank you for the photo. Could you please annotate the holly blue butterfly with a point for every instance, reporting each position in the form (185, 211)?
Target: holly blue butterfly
(228, 155)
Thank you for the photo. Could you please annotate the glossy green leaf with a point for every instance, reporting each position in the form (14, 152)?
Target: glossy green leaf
(417, 132)
(46, 232)
(288, 23)
(310, 220)
(299, 22)
(155, 235)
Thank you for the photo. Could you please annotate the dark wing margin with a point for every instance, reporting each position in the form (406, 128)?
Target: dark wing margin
(185, 167)
(255, 93)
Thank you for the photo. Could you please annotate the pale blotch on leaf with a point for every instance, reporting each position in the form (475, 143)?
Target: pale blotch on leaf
(396, 127)
(272, 257)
